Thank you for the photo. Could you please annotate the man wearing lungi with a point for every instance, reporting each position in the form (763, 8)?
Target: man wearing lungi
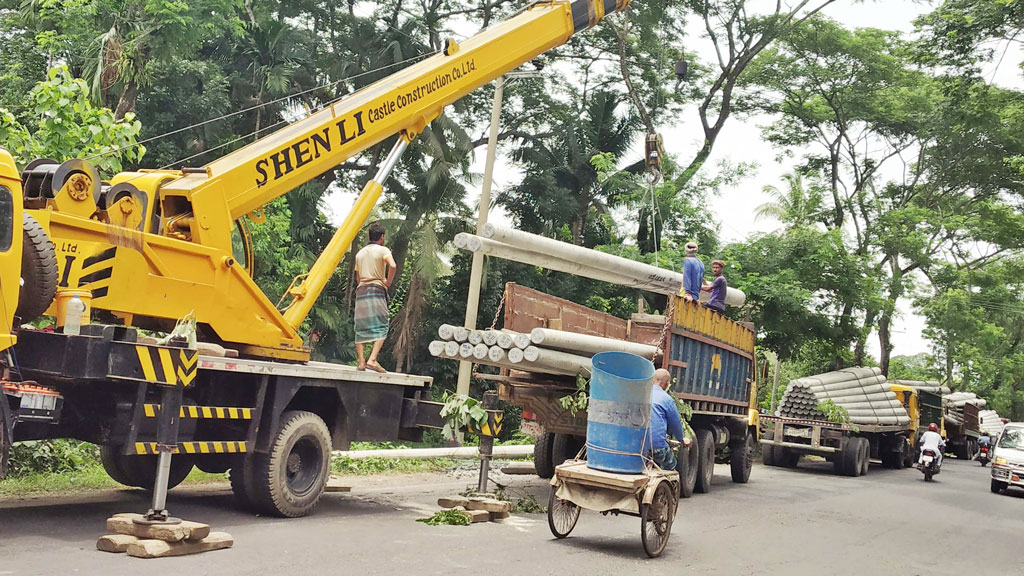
(375, 271)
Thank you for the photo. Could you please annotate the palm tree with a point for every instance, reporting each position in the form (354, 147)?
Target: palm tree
(796, 207)
(561, 186)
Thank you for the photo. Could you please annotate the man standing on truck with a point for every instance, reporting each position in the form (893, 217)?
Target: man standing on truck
(718, 288)
(693, 273)
(375, 271)
(664, 421)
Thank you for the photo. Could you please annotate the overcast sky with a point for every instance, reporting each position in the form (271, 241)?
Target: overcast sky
(740, 141)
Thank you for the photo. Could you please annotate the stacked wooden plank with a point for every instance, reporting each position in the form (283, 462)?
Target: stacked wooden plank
(863, 392)
(159, 540)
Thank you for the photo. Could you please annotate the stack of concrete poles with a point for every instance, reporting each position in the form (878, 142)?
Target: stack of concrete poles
(506, 349)
(862, 392)
(519, 246)
(990, 422)
(955, 402)
(924, 386)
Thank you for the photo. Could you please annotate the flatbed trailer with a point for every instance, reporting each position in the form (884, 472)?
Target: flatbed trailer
(272, 424)
(849, 447)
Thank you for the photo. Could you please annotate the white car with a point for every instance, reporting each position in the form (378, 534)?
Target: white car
(1008, 458)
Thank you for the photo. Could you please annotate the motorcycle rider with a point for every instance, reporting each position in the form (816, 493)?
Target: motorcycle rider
(931, 440)
(984, 440)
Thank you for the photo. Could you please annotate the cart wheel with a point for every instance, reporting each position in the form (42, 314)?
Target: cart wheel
(562, 515)
(656, 520)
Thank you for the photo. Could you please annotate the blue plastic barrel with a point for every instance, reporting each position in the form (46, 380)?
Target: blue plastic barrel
(619, 412)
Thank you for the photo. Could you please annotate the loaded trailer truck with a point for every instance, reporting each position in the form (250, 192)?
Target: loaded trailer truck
(710, 358)
(850, 447)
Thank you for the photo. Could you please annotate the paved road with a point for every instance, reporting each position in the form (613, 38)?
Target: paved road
(783, 522)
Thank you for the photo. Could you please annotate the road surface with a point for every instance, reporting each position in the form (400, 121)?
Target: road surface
(784, 522)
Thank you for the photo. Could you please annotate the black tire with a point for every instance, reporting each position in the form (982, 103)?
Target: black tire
(998, 486)
(213, 463)
(687, 466)
(899, 456)
(565, 447)
(741, 458)
(928, 476)
(562, 515)
(38, 271)
(849, 459)
(140, 471)
(706, 463)
(292, 476)
(787, 457)
(542, 455)
(908, 454)
(768, 455)
(243, 483)
(656, 520)
(865, 456)
(111, 460)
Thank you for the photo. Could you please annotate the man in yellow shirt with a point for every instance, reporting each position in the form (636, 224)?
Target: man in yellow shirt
(375, 271)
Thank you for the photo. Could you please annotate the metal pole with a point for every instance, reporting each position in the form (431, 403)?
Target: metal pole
(473, 298)
(486, 444)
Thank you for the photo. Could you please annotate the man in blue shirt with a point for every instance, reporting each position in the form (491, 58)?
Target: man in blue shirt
(693, 273)
(718, 288)
(664, 421)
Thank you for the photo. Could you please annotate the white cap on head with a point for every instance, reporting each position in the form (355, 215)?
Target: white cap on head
(691, 248)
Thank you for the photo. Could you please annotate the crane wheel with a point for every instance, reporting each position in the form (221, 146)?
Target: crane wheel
(38, 271)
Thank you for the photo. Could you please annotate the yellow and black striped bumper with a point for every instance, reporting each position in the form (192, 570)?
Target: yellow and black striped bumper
(204, 412)
(224, 447)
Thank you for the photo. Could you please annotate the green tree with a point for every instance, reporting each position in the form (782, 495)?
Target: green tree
(61, 123)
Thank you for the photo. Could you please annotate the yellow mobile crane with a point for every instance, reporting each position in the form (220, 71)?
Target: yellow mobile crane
(158, 244)
(154, 245)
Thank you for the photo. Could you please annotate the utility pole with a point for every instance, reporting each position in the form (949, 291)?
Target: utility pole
(473, 298)
(775, 383)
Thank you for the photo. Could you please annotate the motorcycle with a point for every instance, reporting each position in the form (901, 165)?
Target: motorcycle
(983, 456)
(929, 464)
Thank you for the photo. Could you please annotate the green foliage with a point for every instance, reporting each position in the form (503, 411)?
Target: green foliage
(833, 412)
(450, 517)
(60, 122)
(577, 401)
(685, 410)
(529, 505)
(461, 411)
(379, 465)
(51, 457)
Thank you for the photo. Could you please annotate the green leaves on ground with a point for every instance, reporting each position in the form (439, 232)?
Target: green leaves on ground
(449, 517)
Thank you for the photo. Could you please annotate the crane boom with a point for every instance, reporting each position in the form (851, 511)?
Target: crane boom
(158, 244)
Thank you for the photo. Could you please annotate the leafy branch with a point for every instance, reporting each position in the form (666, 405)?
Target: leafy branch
(833, 412)
(461, 411)
(578, 400)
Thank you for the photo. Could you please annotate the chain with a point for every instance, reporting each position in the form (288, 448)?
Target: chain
(668, 325)
(501, 306)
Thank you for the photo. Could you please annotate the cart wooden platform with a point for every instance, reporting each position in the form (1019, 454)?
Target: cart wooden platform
(652, 496)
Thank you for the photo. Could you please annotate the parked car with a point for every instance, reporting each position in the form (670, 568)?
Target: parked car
(1008, 458)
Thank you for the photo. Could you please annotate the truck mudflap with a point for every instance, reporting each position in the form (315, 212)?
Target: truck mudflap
(6, 433)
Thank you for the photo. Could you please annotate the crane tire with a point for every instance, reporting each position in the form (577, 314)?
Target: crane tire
(38, 271)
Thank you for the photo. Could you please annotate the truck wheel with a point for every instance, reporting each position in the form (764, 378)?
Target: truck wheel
(899, 455)
(38, 271)
(865, 456)
(140, 471)
(292, 476)
(243, 482)
(768, 455)
(998, 486)
(787, 457)
(542, 455)
(564, 447)
(687, 465)
(706, 464)
(850, 457)
(741, 459)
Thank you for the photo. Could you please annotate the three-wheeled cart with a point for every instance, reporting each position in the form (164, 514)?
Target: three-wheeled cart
(652, 495)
